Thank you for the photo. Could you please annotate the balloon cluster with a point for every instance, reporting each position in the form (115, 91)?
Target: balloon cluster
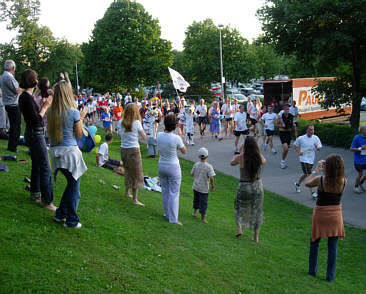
(93, 131)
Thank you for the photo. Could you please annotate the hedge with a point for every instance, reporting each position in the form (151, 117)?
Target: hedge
(331, 134)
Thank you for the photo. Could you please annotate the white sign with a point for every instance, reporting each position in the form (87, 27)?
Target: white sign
(306, 101)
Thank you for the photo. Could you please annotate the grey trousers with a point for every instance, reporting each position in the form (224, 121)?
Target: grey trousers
(170, 179)
(2, 118)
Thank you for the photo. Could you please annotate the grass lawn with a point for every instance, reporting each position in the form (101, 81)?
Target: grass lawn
(123, 248)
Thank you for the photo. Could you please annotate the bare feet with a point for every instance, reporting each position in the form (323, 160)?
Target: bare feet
(194, 214)
(128, 195)
(256, 240)
(179, 223)
(49, 206)
(37, 200)
(204, 221)
(138, 203)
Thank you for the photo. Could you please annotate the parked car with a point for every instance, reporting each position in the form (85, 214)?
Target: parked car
(363, 103)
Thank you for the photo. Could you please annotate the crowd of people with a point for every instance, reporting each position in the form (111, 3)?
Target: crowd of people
(60, 113)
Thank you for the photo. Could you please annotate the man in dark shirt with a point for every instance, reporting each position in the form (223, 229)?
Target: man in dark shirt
(285, 123)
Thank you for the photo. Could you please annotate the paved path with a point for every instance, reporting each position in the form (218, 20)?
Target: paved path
(282, 181)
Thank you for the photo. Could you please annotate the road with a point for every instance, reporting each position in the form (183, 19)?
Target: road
(282, 181)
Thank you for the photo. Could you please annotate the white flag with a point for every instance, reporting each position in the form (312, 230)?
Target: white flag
(178, 81)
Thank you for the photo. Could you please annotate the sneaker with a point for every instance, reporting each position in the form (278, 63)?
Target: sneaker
(192, 144)
(362, 186)
(357, 190)
(314, 195)
(58, 220)
(297, 187)
(264, 147)
(236, 150)
(78, 226)
(274, 151)
(283, 165)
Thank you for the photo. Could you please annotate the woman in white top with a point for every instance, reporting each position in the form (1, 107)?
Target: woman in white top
(131, 128)
(202, 114)
(227, 111)
(169, 169)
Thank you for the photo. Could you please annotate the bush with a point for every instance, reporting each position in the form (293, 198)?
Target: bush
(330, 134)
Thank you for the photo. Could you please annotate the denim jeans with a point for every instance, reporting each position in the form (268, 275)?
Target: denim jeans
(15, 126)
(332, 258)
(41, 178)
(70, 200)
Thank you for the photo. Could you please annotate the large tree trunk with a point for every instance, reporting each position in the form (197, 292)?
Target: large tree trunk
(356, 85)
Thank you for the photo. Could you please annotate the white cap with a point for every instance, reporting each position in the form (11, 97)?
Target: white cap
(203, 152)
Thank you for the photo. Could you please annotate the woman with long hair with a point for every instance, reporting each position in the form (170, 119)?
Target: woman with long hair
(41, 189)
(131, 128)
(64, 128)
(248, 205)
(327, 214)
(169, 169)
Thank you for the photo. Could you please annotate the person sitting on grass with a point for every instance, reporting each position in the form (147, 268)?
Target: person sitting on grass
(202, 173)
(103, 159)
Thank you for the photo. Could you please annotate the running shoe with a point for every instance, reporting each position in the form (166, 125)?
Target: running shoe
(274, 151)
(357, 190)
(236, 150)
(283, 165)
(78, 226)
(314, 195)
(297, 187)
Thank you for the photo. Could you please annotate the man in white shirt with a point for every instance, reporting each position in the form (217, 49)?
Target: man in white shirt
(201, 110)
(227, 111)
(103, 159)
(269, 120)
(241, 128)
(306, 146)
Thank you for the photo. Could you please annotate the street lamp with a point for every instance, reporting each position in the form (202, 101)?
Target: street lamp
(221, 66)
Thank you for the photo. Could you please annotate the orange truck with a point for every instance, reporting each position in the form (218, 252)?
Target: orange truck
(280, 92)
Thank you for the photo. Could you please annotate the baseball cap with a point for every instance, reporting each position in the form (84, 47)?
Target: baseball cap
(203, 152)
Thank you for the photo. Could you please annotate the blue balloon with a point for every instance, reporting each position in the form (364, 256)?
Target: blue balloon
(93, 130)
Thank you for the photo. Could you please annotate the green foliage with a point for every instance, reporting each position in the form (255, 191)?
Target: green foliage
(122, 248)
(328, 34)
(331, 134)
(202, 53)
(125, 49)
(34, 45)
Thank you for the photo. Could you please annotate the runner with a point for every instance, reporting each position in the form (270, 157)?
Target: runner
(295, 112)
(240, 120)
(261, 130)
(269, 120)
(254, 116)
(305, 146)
(201, 111)
(285, 123)
(359, 148)
(227, 111)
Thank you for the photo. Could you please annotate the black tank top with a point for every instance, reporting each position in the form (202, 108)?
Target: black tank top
(328, 198)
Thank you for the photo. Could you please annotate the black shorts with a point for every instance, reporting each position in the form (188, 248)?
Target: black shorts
(360, 167)
(238, 133)
(269, 133)
(253, 121)
(306, 168)
(201, 120)
(89, 115)
(112, 164)
(285, 138)
(229, 119)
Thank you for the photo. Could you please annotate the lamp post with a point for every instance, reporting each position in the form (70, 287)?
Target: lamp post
(221, 66)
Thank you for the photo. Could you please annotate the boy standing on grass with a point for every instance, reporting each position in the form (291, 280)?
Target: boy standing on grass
(202, 173)
(103, 159)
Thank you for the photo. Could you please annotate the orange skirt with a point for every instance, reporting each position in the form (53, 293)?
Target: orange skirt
(327, 222)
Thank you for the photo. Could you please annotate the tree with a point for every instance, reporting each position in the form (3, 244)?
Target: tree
(19, 12)
(330, 32)
(126, 48)
(202, 53)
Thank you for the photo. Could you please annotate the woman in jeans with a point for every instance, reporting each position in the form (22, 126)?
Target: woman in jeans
(41, 189)
(169, 169)
(131, 128)
(64, 128)
(327, 214)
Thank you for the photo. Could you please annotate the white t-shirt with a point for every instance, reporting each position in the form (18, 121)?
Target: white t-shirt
(131, 139)
(236, 108)
(307, 147)
(269, 120)
(95, 103)
(103, 151)
(253, 112)
(226, 110)
(294, 111)
(168, 144)
(241, 121)
(202, 110)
